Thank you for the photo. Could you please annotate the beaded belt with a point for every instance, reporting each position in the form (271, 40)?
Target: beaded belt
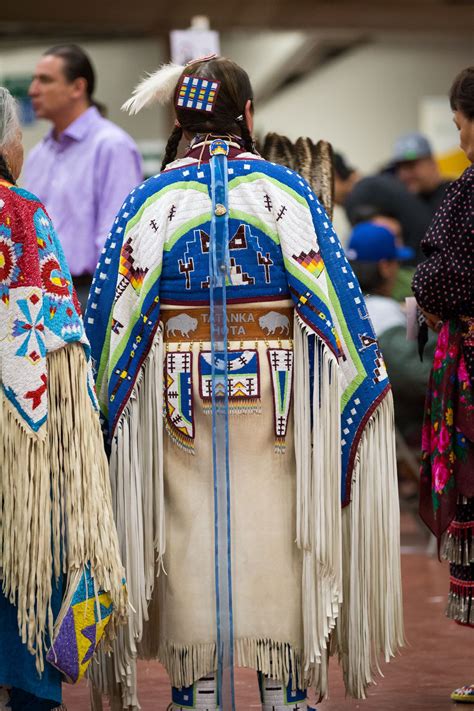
(243, 323)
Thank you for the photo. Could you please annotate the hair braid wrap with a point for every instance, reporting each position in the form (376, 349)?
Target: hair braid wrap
(5, 173)
(172, 146)
(246, 136)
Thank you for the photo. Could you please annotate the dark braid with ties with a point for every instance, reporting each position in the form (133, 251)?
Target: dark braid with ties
(249, 143)
(228, 116)
(172, 146)
(5, 171)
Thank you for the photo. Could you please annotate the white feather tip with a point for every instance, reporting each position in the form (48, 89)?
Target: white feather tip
(157, 88)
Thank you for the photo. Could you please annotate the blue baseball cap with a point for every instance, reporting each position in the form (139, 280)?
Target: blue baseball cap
(369, 242)
(411, 146)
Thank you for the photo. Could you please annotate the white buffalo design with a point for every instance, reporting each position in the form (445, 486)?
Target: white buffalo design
(272, 321)
(182, 323)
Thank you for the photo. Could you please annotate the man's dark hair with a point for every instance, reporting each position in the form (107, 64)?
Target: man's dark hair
(369, 276)
(461, 95)
(341, 168)
(76, 64)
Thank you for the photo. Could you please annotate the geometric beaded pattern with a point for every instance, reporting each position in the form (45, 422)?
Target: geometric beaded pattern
(197, 93)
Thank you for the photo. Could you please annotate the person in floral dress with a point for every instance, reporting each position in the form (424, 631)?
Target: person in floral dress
(444, 287)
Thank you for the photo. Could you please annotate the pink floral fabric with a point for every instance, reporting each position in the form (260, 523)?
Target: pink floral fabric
(448, 432)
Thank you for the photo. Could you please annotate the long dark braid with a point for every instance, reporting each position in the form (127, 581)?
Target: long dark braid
(5, 171)
(172, 146)
(249, 143)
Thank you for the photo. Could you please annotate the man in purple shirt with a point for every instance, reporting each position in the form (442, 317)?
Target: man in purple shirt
(85, 166)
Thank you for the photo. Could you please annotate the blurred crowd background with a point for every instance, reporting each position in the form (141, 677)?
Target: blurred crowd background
(358, 76)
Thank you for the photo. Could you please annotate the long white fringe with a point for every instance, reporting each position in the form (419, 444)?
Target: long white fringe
(318, 500)
(136, 470)
(351, 562)
(187, 663)
(370, 626)
(351, 567)
(55, 502)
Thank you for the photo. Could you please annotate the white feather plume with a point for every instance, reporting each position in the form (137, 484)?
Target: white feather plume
(157, 88)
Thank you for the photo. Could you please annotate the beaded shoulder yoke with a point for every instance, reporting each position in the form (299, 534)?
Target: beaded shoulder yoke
(38, 309)
(284, 246)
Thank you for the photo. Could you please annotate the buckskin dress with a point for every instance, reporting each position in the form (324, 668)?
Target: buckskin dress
(311, 433)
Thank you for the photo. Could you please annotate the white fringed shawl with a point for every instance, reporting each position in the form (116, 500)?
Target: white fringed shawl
(55, 502)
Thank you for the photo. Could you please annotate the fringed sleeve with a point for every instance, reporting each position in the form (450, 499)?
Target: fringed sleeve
(131, 405)
(55, 489)
(351, 555)
(345, 453)
(370, 626)
(318, 482)
(136, 470)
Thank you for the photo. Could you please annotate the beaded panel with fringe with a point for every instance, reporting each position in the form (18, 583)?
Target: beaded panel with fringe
(55, 503)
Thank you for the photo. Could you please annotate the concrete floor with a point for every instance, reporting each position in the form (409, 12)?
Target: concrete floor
(439, 655)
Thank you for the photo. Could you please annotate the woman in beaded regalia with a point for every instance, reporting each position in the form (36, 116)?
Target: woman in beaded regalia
(56, 522)
(243, 508)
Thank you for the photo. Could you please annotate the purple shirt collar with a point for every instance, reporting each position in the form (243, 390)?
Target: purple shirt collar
(79, 128)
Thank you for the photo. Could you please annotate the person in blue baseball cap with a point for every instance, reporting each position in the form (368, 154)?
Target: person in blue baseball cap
(371, 242)
(375, 254)
(415, 166)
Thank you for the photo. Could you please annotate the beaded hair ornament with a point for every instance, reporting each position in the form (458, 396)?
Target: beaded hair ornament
(197, 93)
(159, 88)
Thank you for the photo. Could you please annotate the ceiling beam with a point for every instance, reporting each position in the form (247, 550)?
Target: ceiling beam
(143, 18)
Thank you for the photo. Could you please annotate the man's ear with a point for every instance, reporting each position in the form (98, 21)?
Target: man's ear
(79, 87)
